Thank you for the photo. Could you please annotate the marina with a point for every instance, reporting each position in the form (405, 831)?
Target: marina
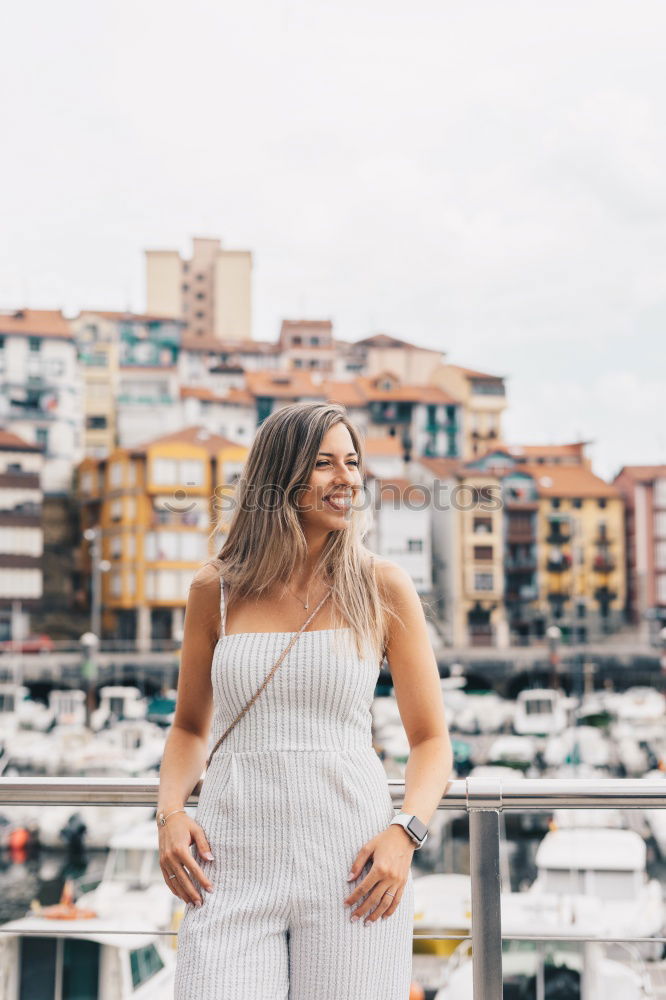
(573, 812)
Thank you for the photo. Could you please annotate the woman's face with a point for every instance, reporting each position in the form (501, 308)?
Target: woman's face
(335, 472)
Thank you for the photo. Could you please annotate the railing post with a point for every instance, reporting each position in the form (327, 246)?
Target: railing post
(484, 799)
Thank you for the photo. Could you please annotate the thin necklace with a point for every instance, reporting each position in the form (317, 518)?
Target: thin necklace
(307, 597)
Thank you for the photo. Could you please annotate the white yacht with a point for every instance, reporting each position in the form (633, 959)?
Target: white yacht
(542, 712)
(591, 881)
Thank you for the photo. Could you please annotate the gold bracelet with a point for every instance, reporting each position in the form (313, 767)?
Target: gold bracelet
(161, 818)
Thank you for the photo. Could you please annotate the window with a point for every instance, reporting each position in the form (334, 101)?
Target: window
(555, 502)
(117, 509)
(483, 525)
(601, 502)
(577, 502)
(164, 471)
(34, 345)
(42, 437)
(144, 962)
(116, 474)
(415, 545)
(192, 472)
(483, 553)
(201, 295)
(186, 287)
(96, 423)
(483, 581)
(198, 315)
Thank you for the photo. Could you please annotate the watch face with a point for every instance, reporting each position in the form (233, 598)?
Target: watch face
(417, 827)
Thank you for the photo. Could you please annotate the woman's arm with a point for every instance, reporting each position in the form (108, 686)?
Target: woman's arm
(187, 743)
(185, 748)
(418, 692)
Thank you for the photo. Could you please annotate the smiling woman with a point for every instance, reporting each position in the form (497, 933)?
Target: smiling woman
(295, 803)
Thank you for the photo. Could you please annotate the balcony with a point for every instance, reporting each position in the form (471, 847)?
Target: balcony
(483, 799)
(603, 564)
(559, 563)
(556, 536)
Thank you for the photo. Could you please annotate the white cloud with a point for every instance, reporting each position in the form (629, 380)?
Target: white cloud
(486, 178)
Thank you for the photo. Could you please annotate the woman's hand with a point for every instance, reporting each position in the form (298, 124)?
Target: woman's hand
(392, 853)
(175, 838)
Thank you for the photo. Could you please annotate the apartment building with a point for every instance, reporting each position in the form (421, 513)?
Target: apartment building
(162, 507)
(482, 400)
(401, 526)
(643, 488)
(211, 291)
(41, 390)
(467, 551)
(21, 534)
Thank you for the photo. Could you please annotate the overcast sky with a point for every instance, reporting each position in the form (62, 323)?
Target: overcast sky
(487, 178)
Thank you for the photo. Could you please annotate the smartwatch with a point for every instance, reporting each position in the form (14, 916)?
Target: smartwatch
(415, 827)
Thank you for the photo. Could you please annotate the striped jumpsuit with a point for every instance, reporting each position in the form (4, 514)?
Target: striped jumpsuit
(290, 796)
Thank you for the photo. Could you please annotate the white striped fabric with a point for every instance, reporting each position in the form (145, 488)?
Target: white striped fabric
(289, 798)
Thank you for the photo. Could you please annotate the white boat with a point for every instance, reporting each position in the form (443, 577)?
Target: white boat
(132, 880)
(578, 744)
(542, 712)
(551, 969)
(639, 704)
(118, 702)
(68, 706)
(69, 951)
(513, 751)
(442, 905)
(591, 882)
(483, 712)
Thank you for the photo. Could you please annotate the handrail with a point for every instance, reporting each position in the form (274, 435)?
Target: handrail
(462, 794)
(483, 798)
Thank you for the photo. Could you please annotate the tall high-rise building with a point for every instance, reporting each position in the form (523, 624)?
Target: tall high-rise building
(211, 292)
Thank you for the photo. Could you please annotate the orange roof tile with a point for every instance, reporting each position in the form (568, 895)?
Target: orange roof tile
(215, 345)
(442, 467)
(383, 446)
(554, 480)
(532, 451)
(197, 434)
(643, 473)
(282, 384)
(138, 317)
(346, 393)
(402, 392)
(472, 373)
(36, 323)
(381, 340)
(12, 442)
(403, 488)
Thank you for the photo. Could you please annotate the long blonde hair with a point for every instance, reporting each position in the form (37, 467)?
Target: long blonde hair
(265, 541)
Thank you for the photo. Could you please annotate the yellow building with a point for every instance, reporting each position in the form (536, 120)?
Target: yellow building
(581, 548)
(161, 508)
(467, 544)
(483, 401)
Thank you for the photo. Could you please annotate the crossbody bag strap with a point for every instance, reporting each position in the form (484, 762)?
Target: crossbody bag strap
(273, 669)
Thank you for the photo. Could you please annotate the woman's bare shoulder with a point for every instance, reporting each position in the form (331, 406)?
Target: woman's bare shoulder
(208, 577)
(393, 580)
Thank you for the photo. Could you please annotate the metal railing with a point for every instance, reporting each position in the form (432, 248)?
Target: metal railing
(483, 799)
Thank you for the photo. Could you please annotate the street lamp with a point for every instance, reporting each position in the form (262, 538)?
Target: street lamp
(99, 566)
(90, 643)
